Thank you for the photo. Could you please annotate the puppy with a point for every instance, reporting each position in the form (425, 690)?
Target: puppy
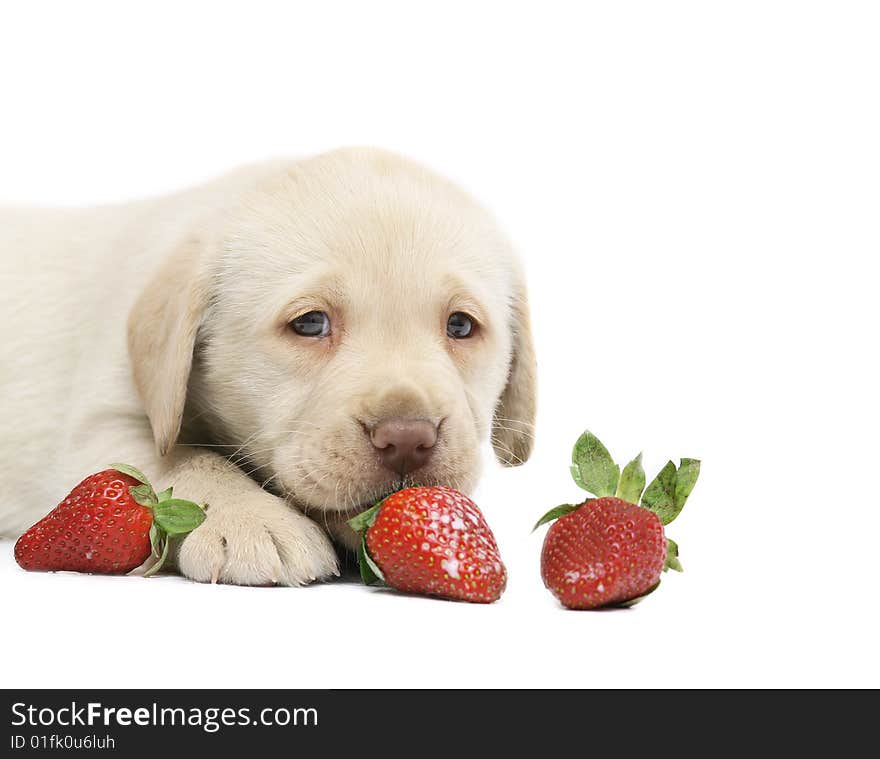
(286, 345)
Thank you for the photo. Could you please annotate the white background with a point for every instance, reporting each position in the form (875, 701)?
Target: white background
(694, 188)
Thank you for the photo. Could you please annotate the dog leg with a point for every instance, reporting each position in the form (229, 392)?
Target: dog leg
(250, 537)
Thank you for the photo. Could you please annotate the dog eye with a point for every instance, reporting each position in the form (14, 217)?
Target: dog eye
(311, 324)
(459, 325)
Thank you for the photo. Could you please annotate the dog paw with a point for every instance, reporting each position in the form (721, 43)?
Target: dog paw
(265, 543)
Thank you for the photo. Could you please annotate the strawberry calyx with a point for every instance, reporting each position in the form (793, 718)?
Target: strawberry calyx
(370, 572)
(172, 517)
(594, 470)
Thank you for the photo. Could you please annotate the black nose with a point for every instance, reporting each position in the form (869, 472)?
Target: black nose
(404, 445)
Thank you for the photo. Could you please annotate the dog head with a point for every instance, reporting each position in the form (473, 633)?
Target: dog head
(354, 323)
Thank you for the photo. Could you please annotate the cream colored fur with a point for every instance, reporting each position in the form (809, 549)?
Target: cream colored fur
(156, 333)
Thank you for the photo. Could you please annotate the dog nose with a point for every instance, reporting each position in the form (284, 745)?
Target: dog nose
(404, 445)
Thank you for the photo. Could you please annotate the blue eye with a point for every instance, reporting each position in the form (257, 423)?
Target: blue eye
(311, 324)
(460, 325)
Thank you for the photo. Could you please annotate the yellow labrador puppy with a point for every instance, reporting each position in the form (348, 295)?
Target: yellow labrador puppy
(285, 344)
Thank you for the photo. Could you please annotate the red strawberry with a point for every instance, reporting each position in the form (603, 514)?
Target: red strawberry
(433, 541)
(109, 524)
(608, 550)
(605, 551)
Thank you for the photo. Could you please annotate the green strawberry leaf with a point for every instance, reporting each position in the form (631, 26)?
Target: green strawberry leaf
(155, 538)
(370, 573)
(632, 481)
(177, 517)
(576, 476)
(659, 496)
(131, 472)
(162, 557)
(634, 601)
(685, 481)
(165, 494)
(669, 491)
(555, 513)
(143, 494)
(365, 519)
(672, 561)
(598, 472)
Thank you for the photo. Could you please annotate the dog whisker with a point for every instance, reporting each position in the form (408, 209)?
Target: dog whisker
(506, 449)
(512, 429)
(514, 421)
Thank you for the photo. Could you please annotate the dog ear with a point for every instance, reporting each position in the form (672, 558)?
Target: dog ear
(513, 424)
(162, 330)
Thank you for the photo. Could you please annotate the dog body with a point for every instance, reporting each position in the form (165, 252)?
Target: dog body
(181, 334)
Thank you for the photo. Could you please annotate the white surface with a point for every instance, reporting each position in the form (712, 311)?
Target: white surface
(695, 193)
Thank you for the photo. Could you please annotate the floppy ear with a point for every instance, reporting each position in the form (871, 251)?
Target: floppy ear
(162, 330)
(513, 424)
